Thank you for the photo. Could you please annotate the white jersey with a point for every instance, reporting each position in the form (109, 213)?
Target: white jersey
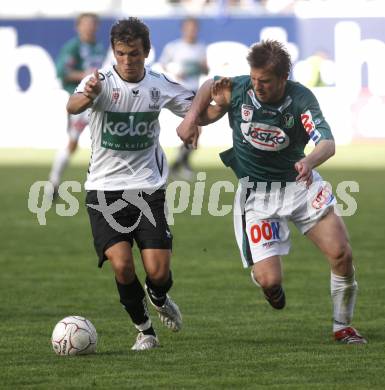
(184, 61)
(124, 127)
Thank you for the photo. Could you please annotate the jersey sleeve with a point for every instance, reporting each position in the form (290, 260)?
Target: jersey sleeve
(181, 98)
(313, 120)
(81, 85)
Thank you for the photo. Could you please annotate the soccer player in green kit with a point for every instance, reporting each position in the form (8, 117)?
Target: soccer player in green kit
(79, 56)
(273, 119)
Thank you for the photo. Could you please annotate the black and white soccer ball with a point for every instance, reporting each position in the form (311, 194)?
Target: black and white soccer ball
(74, 335)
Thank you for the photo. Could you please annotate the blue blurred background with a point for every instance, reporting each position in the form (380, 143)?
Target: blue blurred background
(349, 35)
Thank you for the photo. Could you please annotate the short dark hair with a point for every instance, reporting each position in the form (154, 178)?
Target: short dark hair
(270, 53)
(128, 30)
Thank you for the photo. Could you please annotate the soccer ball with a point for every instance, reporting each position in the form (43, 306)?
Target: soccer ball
(74, 335)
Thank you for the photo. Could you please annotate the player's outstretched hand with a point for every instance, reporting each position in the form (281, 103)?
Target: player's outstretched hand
(221, 91)
(93, 86)
(188, 133)
(305, 173)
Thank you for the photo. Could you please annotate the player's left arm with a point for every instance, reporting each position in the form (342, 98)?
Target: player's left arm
(318, 130)
(188, 130)
(81, 100)
(321, 153)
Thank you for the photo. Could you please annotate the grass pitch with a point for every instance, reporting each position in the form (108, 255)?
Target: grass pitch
(231, 338)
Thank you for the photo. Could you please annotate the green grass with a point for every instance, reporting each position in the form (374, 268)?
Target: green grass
(361, 156)
(231, 338)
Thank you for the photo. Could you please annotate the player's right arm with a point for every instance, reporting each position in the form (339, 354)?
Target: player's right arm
(80, 101)
(201, 112)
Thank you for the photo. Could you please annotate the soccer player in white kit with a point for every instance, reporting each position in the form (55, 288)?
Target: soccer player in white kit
(128, 172)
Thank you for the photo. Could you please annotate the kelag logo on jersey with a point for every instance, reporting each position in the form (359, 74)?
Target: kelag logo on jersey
(265, 137)
(309, 126)
(129, 131)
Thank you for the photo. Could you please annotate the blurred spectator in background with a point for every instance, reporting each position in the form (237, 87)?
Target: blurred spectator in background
(78, 57)
(315, 62)
(315, 71)
(185, 60)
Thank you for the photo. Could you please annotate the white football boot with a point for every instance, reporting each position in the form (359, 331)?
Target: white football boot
(169, 314)
(144, 342)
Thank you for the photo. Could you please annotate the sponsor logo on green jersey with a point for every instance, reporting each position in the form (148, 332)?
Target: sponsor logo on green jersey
(265, 137)
(129, 130)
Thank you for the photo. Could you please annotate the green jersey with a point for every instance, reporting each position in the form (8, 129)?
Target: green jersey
(78, 55)
(269, 139)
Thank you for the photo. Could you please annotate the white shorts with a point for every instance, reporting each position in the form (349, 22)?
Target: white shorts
(261, 217)
(76, 124)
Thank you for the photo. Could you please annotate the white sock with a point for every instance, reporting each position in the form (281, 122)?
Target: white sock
(61, 160)
(343, 291)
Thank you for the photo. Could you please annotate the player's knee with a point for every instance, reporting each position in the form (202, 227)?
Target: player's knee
(267, 281)
(124, 269)
(158, 275)
(341, 252)
(158, 267)
(341, 257)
